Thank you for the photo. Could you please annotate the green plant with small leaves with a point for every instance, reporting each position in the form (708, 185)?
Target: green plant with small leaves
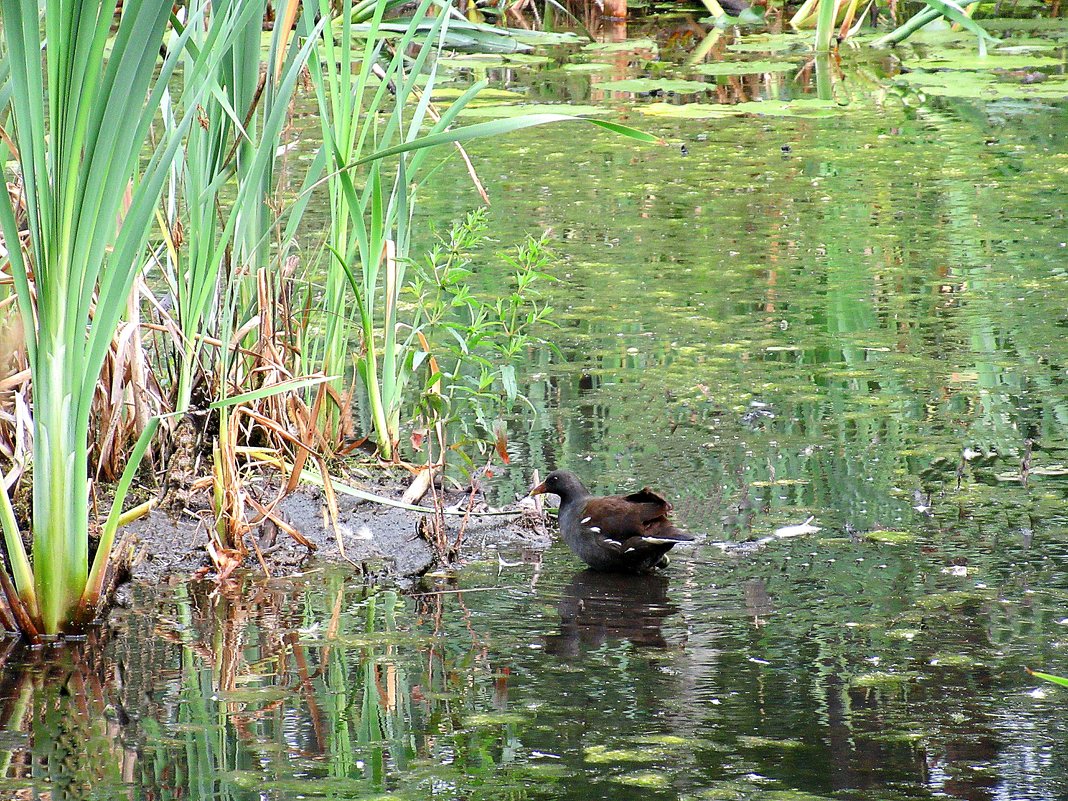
(475, 343)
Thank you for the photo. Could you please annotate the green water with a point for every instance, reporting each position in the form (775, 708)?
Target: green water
(856, 318)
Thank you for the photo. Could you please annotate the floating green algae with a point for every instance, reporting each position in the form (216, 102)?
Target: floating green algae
(950, 600)
(645, 778)
(602, 754)
(889, 537)
(882, 680)
(671, 740)
(755, 741)
(955, 661)
(493, 719)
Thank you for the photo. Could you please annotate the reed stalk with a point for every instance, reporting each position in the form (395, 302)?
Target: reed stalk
(378, 132)
(79, 126)
(81, 123)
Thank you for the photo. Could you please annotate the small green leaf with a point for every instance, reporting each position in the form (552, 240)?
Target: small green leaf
(508, 379)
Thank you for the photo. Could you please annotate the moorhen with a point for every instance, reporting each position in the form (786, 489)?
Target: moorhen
(619, 533)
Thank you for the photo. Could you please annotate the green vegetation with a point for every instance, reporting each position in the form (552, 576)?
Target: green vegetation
(845, 309)
(79, 129)
(228, 226)
(1059, 680)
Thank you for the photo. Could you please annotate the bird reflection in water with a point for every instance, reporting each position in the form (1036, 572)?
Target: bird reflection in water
(596, 607)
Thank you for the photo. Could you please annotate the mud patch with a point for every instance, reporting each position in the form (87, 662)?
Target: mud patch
(377, 540)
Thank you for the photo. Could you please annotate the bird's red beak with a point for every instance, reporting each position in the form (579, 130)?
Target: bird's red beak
(538, 490)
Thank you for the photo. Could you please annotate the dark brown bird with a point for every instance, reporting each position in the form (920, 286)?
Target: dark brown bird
(619, 533)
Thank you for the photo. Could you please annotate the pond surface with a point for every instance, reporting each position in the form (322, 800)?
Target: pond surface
(853, 316)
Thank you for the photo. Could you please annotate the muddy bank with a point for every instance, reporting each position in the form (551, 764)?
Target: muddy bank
(378, 540)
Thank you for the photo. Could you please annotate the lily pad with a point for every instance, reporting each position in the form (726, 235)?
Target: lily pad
(770, 43)
(498, 111)
(744, 67)
(451, 93)
(646, 85)
(804, 107)
(488, 61)
(748, 16)
(621, 47)
(981, 86)
(953, 60)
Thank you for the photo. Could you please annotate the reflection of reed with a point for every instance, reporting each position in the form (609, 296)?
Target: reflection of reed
(60, 698)
(597, 607)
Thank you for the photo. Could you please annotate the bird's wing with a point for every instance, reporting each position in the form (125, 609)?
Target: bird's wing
(612, 517)
(640, 515)
(648, 497)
